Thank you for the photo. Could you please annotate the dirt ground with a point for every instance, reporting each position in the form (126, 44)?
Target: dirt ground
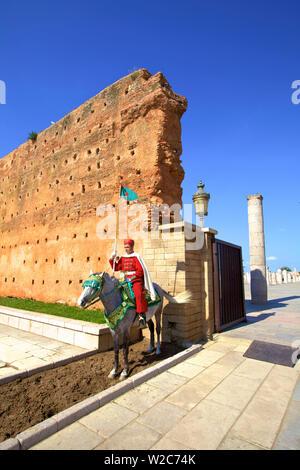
(26, 402)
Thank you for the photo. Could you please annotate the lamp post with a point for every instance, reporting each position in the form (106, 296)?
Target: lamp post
(200, 199)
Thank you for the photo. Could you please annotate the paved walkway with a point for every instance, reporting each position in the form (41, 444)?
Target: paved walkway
(216, 399)
(21, 350)
(278, 321)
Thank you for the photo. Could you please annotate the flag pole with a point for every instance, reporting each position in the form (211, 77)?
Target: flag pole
(117, 223)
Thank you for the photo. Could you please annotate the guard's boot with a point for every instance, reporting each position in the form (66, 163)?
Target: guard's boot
(142, 319)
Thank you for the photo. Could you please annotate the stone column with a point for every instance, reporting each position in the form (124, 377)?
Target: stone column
(273, 278)
(279, 276)
(285, 279)
(294, 275)
(259, 290)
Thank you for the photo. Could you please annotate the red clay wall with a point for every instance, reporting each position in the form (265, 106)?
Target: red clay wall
(129, 133)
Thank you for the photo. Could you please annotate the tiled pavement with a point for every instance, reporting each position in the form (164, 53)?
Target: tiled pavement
(278, 321)
(216, 399)
(21, 350)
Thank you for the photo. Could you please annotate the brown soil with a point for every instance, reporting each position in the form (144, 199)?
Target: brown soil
(26, 402)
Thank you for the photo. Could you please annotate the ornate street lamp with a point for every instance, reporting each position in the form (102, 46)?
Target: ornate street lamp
(201, 199)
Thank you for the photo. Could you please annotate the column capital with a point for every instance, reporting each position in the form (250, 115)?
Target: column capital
(255, 196)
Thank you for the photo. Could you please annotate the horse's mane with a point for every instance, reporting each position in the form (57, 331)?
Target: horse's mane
(106, 277)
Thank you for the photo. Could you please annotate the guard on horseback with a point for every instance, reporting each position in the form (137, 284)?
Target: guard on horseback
(137, 273)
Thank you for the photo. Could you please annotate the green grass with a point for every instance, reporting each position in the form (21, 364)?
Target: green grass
(61, 310)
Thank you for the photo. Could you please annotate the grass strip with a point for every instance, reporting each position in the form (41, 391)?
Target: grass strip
(60, 310)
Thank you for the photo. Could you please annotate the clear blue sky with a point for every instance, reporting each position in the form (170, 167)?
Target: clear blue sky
(233, 60)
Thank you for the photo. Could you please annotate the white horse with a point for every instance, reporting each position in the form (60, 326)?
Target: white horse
(106, 288)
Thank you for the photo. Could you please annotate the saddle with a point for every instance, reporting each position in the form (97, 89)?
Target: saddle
(127, 302)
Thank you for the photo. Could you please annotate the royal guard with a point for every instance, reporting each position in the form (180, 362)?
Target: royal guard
(137, 273)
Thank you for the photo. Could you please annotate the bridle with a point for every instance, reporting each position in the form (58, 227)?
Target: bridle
(97, 283)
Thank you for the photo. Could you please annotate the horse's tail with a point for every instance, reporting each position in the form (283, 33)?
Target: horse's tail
(182, 298)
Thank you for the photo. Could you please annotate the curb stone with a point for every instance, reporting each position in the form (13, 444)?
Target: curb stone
(41, 431)
(36, 433)
(68, 416)
(18, 375)
(10, 444)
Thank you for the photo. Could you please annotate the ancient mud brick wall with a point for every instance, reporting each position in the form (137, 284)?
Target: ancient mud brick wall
(129, 133)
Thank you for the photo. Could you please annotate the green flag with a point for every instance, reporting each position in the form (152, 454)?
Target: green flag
(128, 194)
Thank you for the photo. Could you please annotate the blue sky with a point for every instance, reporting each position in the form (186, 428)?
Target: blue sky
(233, 60)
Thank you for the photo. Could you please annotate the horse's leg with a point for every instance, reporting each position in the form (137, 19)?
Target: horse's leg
(113, 372)
(158, 328)
(151, 328)
(124, 373)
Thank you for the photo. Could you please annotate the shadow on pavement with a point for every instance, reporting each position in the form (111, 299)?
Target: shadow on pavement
(271, 304)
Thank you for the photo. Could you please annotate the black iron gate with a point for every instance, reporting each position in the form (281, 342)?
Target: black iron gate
(229, 298)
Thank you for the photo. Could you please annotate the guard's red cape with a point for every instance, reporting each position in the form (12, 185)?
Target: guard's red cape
(132, 268)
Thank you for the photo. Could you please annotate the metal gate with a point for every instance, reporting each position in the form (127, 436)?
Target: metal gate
(229, 298)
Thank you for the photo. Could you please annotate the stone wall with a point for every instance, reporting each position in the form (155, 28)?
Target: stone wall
(129, 133)
(176, 267)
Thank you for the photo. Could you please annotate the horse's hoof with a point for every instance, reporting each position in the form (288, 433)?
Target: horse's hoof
(112, 374)
(123, 375)
(158, 352)
(150, 349)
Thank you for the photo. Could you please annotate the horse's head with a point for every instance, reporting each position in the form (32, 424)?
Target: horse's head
(92, 288)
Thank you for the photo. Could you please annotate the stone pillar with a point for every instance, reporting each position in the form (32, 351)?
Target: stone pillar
(259, 290)
(285, 279)
(273, 275)
(294, 275)
(279, 276)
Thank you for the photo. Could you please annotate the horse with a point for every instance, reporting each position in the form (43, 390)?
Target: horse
(107, 289)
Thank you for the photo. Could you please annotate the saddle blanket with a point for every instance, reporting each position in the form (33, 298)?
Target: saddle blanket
(128, 302)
